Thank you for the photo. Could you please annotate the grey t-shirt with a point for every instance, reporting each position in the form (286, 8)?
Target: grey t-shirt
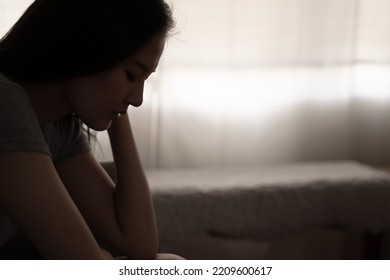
(21, 131)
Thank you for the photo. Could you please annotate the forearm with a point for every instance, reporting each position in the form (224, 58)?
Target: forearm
(133, 202)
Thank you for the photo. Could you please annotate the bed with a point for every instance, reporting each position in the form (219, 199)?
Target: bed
(257, 204)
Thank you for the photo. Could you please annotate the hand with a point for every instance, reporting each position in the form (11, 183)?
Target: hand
(118, 124)
(107, 255)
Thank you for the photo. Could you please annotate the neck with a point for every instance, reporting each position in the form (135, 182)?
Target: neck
(47, 100)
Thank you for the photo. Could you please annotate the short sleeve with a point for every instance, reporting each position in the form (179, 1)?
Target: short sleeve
(19, 126)
(66, 138)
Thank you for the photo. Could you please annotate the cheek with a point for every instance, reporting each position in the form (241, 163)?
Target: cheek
(98, 92)
(112, 87)
(86, 100)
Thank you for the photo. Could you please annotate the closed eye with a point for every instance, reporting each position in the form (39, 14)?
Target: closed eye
(130, 77)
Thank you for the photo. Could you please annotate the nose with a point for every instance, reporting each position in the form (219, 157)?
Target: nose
(136, 94)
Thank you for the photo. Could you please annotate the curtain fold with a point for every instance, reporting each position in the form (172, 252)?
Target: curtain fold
(259, 81)
(267, 81)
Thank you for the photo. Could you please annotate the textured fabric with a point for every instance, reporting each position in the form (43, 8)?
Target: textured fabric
(269, 201)
(65, 138)
(20, 129)
(19, 126)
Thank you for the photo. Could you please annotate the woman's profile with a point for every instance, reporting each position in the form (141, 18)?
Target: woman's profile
(63, 64)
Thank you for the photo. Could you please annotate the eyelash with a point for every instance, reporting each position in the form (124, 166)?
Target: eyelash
(129, 76)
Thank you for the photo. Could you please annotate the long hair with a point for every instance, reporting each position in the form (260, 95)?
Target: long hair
(60, 39)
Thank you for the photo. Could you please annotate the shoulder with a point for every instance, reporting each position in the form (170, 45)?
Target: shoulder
(7, 83)
(19, 126)
(66, 138)
(14, 100)
(11, 92)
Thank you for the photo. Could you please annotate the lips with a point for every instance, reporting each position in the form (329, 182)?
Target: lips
(115, 115)
(119, 112)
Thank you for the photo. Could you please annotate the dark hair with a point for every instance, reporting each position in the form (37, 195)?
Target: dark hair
(57, 39)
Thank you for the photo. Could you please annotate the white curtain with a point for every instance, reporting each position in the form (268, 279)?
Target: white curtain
(267, 81)
(10, 11)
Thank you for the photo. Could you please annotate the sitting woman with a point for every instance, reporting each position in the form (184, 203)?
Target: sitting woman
(63, 64)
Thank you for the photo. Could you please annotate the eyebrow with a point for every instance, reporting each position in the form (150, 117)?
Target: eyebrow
(143, 66)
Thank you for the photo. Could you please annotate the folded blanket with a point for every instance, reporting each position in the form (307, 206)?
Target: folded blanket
(270, 201)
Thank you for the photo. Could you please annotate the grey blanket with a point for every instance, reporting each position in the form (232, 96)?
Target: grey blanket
(270, 201)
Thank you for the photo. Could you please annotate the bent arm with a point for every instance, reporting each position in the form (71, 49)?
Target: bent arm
(33, 195)
(132, 197)
(120, 214)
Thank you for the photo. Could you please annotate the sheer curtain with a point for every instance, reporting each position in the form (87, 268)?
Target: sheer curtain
(266, 81)
(10, 11)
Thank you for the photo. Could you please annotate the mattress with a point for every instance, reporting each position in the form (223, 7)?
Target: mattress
(269, 201)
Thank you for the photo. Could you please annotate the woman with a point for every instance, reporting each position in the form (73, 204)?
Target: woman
(66, 62)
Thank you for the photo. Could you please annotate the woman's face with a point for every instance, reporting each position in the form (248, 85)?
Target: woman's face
(98, 99)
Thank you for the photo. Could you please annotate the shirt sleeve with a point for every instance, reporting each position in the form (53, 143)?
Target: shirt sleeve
(19, 126)
(69, 140)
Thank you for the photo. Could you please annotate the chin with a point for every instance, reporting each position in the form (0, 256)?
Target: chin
(102, 127)
(98, 125)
